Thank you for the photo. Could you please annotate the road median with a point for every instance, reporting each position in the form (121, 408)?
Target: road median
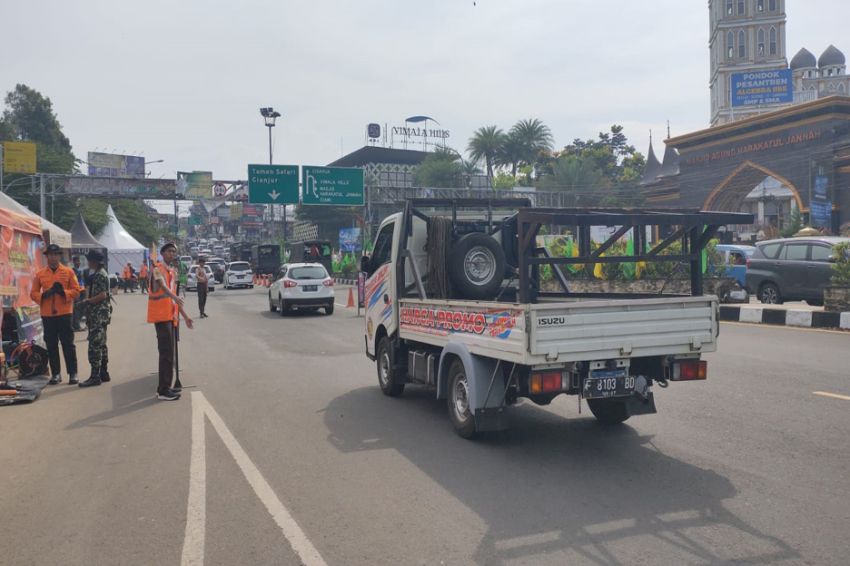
(801, 318)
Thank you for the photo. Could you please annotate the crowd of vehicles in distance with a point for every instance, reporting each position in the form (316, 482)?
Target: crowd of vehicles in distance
(791, 269)
(312, 251)
(241, 251)
(238, 275)
(302, 286)
(191, 279)
(467, 315)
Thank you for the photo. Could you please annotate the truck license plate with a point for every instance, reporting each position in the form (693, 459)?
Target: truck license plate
(608, 383)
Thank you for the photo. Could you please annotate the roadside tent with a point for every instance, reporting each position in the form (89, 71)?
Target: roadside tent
(82, 240)
(51, 233)
(120, 245)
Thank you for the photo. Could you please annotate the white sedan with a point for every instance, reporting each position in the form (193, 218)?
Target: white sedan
(302, 286)
(192, 284)
(238, 274)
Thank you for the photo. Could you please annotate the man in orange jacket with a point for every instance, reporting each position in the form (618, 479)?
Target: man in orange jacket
(54, 288)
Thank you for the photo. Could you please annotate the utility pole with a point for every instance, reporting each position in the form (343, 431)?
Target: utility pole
(270, 115)
(41, 200)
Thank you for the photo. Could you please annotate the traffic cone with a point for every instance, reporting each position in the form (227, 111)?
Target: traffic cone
(350, 304)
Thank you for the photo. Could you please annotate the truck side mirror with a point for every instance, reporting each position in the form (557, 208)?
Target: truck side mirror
(365, 264)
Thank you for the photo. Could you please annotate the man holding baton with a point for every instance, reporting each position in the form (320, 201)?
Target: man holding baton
(164, 310)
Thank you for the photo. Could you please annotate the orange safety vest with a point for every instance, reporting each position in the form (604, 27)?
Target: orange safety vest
(128, 274)
(143, 271)
(160, 306)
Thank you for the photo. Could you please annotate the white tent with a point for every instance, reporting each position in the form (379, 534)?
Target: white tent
(121, 246)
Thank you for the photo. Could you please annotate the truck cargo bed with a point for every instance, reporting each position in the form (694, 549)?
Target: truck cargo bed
(565, 331)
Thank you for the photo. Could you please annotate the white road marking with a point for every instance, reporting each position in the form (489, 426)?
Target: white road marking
(831, 395)
(196, 513)
(340, 305)
(289, 527)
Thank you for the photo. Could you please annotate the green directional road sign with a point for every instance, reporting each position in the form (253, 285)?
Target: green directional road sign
(337, 186)
(273, 184)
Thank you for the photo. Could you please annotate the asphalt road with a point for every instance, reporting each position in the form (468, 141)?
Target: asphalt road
(284, 447)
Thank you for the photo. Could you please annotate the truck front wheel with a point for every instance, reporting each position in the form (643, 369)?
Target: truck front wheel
(386, 374)
(608, 411)
(459, 411)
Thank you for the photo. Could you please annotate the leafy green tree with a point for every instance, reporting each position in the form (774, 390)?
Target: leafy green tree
(29, 116)
(485, 144)
(619, 164)
(504, 182)
(580, 177)
(440, 169)
(795, 223)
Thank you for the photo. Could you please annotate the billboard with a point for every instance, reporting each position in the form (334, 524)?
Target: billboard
(117, 187)
(19, 157)
(349, 240)
(195, 185)
(762, 87)
(115, 165)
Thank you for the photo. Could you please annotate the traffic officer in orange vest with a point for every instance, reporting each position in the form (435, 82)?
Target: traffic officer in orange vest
(164, 309)
(143, 277)
(54, 288)
(128, 278)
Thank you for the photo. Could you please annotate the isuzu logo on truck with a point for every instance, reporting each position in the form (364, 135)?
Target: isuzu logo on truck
(552, 321)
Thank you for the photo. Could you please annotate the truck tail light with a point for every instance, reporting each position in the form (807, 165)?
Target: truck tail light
(328, 282)
(289, 284)
(546, 382)
(690, 370)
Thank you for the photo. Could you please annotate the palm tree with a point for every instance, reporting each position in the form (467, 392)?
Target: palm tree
(533, 137)
(511, 152)
(485, 144)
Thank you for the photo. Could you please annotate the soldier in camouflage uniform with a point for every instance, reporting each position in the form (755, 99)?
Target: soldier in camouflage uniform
(97, 319)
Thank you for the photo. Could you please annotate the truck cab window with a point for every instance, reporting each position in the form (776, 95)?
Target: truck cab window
(383, 248)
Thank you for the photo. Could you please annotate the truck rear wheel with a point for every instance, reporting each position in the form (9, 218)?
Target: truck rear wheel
(458, 399)
(608, 411)
(476, 266)
(386, 374)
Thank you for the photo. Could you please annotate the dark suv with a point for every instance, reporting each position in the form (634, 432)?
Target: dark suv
(792, 269)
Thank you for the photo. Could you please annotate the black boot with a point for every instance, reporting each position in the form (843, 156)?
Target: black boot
(55, 379)
(72, 379)
(91, 382)
(104, 373)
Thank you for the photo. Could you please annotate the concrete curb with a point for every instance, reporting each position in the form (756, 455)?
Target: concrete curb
(785, 317)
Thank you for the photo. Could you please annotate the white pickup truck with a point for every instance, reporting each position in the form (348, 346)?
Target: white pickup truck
(495, 336)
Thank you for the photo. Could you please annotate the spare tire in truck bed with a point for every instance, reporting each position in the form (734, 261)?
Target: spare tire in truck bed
(476, 267)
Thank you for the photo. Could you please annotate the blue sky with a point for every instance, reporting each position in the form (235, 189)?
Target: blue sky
(183, 80)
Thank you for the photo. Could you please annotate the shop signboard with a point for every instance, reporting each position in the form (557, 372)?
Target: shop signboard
(335, 186)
